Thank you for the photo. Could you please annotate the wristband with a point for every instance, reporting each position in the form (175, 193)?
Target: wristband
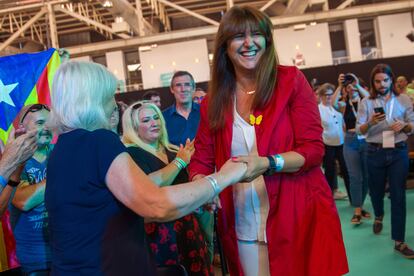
(214, 184)
(276, 164)
(12, 183)
(178, 164)
(280, 162)
(181, 161)
(3, 181)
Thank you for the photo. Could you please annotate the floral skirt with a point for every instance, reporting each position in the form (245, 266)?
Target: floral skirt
(180, 242)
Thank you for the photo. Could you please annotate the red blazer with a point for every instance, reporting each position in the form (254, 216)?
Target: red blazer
(303, 228)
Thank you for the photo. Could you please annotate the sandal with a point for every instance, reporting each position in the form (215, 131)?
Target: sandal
(356, 219)
(365, 214)
(377, 226)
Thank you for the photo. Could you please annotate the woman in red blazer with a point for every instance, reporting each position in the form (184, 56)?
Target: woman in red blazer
(282, 220)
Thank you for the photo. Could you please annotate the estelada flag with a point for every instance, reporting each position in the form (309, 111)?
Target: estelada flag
(24, 79)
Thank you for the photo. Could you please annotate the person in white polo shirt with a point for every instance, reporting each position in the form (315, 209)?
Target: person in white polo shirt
(333, 138)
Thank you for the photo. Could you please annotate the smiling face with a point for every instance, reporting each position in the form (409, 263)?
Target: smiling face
(149, 125)
(246, 49)
(183, 89)
(37, 120)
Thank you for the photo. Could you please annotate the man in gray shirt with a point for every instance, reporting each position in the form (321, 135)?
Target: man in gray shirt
(387, 118)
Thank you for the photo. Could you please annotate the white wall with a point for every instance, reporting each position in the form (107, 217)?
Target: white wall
(162, 61)
(313, 43)
(352, 39)
(116, 64)
(392, 35)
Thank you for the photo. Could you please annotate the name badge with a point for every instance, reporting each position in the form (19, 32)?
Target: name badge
(388, 139)
(361, 137)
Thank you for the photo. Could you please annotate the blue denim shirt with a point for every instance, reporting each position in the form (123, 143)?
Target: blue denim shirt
(180, 128)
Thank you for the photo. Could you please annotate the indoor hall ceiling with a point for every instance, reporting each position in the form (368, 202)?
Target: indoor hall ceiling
(80, 22)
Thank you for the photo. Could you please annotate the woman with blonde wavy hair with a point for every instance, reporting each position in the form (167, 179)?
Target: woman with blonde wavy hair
(174, 242)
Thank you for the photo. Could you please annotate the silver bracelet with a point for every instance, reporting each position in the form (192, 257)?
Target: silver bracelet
(214, 185)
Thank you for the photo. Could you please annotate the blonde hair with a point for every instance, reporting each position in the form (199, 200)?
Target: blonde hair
(80, 92)
(130, 124)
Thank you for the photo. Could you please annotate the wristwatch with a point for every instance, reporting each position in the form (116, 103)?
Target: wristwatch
(12, 183)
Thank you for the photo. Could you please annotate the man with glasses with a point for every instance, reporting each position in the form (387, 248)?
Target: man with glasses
(28, 212)
(199, 95)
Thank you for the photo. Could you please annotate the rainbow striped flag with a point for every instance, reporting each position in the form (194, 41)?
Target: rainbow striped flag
(24, 79)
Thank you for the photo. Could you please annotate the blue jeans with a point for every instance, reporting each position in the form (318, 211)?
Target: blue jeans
(355, 154)
(391, 165)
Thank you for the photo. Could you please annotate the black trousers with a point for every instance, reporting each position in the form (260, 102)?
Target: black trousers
(332, 154)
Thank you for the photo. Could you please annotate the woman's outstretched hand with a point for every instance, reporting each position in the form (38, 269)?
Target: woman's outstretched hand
(256, 165)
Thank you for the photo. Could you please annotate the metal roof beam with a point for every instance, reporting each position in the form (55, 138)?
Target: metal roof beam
(268, 4)
(27, 25)
(323, 16)
(196, 15)
(90, 21)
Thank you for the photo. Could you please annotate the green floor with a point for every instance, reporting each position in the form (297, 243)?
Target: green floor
(373, 255)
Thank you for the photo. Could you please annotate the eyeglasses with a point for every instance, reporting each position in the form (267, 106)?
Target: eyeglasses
(34, 108)
(196, 98)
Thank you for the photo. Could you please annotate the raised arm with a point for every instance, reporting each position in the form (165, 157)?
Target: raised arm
(166, 175)
(133, 188)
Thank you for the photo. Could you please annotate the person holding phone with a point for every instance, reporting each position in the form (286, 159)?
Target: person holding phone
(354, 145)
(387, 118)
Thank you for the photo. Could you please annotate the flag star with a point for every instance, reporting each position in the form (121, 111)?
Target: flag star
(5, 91)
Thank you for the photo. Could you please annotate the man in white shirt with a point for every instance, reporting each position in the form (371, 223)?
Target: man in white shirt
(333, 138)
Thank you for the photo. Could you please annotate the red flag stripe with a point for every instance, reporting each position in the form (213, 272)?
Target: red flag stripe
(42, 87)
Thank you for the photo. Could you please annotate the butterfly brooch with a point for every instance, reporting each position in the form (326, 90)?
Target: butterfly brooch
(255, 120)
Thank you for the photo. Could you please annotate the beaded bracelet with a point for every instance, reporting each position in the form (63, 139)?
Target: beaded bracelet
(214, 185)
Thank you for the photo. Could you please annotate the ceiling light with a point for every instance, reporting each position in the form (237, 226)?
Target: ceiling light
(107, 4)
(299, 27)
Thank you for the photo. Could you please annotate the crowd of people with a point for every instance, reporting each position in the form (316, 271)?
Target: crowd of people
(130, 190)
(361, 125)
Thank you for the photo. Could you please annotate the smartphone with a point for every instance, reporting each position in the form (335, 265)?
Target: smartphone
(379, 110)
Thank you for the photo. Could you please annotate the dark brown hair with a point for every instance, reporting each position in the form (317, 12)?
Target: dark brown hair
(381, 68)
(223, 77)
(180, 74)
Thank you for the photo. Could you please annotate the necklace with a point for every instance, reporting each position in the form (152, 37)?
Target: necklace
(251, 92)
